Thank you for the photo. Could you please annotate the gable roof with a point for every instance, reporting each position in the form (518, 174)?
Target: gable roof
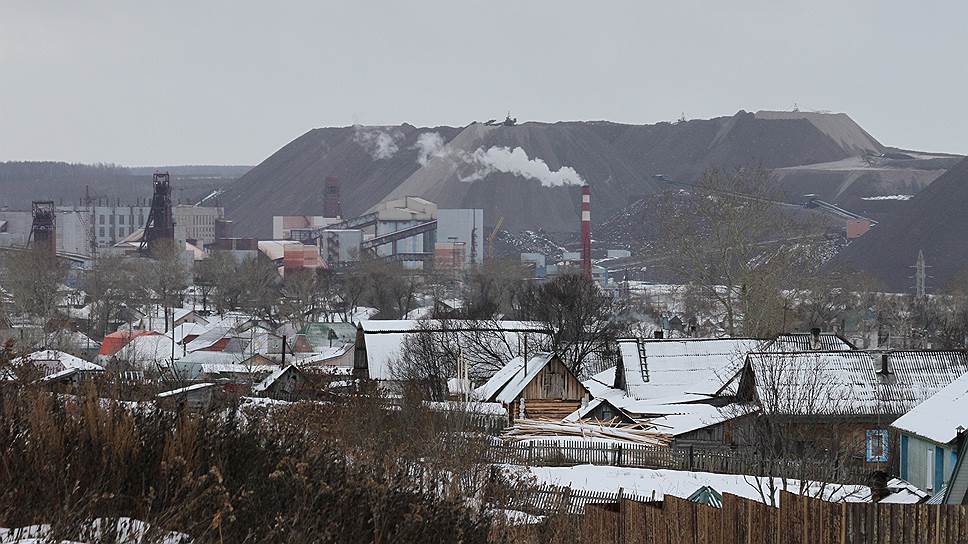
(848, 382)
(384, 339)
(652, 369)
(508, 382)
(273, 377)
(939, 417)
(804, 341)
(66, 359)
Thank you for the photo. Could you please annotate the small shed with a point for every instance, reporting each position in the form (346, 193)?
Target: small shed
(282, 384)
(197, 397)
(540, 387)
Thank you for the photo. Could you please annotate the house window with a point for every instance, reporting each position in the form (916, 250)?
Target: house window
(877, 446)
(929, 469)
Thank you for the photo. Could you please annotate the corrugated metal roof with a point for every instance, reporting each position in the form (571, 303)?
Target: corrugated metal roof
(804, 341)
(939, 417)
(850, 382)
(655, 369)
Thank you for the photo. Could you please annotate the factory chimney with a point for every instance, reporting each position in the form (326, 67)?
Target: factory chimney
(586, 232)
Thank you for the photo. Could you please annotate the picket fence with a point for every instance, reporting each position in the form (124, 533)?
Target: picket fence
(719, 460)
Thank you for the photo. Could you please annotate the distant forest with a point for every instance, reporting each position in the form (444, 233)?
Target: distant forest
(65, 183)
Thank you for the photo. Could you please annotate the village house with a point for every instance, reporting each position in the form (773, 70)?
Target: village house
(379, 343)
(846, 399)
(538, 387)
(929, 436)
(51, 361)
(650, 369)
(282, 384)
(196, 397)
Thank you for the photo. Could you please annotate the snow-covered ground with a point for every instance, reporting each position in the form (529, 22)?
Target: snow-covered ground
(658, 483)
(131, 531)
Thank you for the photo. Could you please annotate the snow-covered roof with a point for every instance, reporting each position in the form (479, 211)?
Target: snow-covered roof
(902, 492)
(209, 338)
(66, 359)
(663, 368)
(806, 341)
(67, 372)
(384, 338)
(272, 377)
(849, 382)
(489, 408)
(677, 419)
(148, 350)
(322, 355)
(508, 382)
(939, 417)
(182, 390)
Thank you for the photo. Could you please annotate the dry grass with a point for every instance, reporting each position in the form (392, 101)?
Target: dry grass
(338, 472)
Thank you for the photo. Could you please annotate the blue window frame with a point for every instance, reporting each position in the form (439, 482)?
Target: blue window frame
(904, 457)
(877, 446)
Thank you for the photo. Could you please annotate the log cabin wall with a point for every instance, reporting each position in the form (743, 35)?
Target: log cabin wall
(554, 381)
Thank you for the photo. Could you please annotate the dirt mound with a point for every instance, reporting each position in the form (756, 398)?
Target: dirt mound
(933, 221)
(619, 161)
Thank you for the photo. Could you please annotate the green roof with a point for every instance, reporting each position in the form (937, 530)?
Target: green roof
(317, 334)
(708, 496)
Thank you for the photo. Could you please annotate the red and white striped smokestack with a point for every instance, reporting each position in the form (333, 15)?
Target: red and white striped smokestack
(586, 231)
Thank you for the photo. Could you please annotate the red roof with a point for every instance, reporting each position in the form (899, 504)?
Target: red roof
(113, 342)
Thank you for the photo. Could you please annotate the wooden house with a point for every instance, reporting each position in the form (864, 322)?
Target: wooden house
(539, 387)
(283, 384)
(197, 397)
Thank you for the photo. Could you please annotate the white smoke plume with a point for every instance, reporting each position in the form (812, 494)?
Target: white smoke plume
(429, 145)
(378, 143)
(516, 161)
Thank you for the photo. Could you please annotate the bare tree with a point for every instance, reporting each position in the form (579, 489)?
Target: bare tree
(33, 279)
(431, 354)
(581, 317)
(114, 287)
(734, 244)
(803, 436)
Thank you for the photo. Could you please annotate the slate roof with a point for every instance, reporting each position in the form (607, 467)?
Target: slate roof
(654, 369)
(849, 382)
(508, 382)
(803, 341)
(939, 417)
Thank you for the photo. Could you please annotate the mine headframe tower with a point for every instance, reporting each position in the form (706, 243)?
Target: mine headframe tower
(160, 227)
(43, 228)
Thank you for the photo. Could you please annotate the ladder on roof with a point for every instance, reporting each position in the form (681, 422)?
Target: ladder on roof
(643, 366)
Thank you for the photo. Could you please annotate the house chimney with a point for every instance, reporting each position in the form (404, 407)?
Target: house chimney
(815, 338)
(885, 367)
(586, 231)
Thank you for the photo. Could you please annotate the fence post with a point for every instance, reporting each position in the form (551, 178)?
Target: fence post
(619, 458)
(691, 458)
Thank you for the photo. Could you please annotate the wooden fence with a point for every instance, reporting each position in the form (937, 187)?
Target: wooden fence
(719, 460)
(798, 520)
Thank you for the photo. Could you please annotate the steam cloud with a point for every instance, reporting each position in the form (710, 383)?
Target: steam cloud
(378, 143)
(516, 161)
(429, 145)
(494, 159)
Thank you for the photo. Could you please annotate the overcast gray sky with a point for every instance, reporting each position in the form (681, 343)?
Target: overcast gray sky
(229, 82)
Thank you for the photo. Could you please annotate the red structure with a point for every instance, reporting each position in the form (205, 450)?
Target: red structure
(586, 231)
